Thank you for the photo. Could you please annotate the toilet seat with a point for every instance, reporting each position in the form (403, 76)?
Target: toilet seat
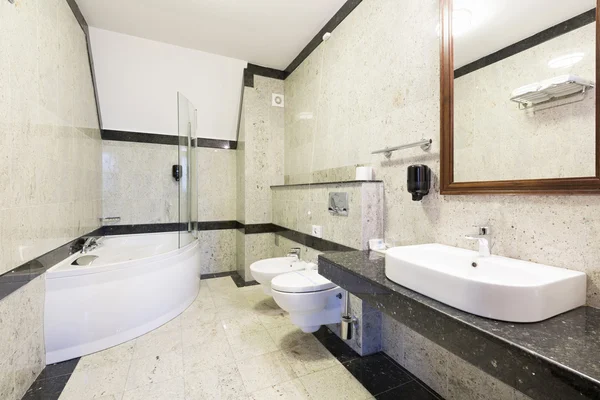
(307, 281)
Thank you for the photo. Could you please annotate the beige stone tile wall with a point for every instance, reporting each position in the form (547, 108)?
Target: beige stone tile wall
(263, 148)
(300, 207)
(447, 374)
(138, 183)
(217, 251)
(50, 165)
(22, 350)
(554, 143)
(374, 83)
(216, 184)
(259, 166)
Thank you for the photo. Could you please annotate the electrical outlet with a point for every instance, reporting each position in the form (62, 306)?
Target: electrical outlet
(317, 231)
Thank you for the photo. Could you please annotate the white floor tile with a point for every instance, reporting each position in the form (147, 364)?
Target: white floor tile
(288, 335)
(219, 383)
(264, 371)
(156, 343)
(167, 390)
(309, 356)
(154, 369)
(291, 390)
(122, 353)
(202, 332)
(242, 324)
(251, 345)
(96, 382)
(200, 357)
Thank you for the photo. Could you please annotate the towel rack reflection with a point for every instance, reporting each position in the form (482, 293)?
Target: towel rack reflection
(425, 144)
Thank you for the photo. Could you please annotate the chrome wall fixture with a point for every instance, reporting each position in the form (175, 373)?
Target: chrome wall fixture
(425, 144)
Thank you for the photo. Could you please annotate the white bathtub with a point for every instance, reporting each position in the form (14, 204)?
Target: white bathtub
(137, 283)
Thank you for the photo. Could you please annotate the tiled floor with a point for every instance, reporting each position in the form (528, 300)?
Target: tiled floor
(231, 343)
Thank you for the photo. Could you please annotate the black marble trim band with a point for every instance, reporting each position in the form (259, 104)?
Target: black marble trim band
(215, 143)
(253, 69)
(337, 19)
(312, 242)
(174, 140)
(84, 26)
(143, 137)
(262, 228)
(216, 225)
(110, 230)
(18, 277)
(532, 41)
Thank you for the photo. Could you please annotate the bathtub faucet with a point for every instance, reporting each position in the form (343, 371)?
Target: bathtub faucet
(91, 243)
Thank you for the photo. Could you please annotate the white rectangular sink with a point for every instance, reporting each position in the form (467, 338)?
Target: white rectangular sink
(494, 287)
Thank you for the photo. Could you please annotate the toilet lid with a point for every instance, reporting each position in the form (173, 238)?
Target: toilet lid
(301, 282)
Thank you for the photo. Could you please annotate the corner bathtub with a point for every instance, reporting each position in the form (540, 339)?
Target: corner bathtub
(137, 283)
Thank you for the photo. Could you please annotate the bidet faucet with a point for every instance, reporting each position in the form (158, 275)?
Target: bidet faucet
(91, 243)
(294, 251)
(485, 241)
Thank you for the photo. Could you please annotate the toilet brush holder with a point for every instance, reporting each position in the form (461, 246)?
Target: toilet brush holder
(346, 327)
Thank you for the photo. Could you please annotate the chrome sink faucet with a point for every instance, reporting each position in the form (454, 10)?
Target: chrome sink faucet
(485, 241)
(294, 252)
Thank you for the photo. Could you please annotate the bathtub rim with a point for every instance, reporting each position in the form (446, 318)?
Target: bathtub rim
(54, 273)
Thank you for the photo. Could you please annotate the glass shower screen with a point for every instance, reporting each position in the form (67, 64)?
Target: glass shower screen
(188, 195)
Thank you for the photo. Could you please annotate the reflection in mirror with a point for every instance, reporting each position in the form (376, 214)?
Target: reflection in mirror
(524, 104)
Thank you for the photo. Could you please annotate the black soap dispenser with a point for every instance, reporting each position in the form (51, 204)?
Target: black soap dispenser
(419, 181)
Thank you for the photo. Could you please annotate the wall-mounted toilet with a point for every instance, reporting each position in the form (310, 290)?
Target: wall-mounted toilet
(309, 298)
(264, 271)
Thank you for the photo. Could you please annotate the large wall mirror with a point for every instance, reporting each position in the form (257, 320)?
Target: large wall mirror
(519, 100)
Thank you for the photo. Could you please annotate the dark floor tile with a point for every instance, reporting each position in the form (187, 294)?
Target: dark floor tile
(335, 345)
(377, 373)
(47, 389)
(217, 275)
(240, 282)
(409, 391)
(58, 369)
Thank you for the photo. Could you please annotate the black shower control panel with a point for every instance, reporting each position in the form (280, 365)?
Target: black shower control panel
(177, 172)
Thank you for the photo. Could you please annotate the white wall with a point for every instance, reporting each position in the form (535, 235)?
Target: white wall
(138, 80)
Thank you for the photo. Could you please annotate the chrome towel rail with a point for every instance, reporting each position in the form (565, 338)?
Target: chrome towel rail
(425, 144)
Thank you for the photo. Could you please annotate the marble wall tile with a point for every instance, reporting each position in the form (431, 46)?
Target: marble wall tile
(218, 251)
(301, 207)
(257, 247)
(447, 374)
(138, 183)
(263, 149)
(217, 190)
(390, 97)
(50, 165)
(23, 355)
(240, 251)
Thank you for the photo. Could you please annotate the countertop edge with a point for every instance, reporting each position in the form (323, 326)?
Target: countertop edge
(499, 339)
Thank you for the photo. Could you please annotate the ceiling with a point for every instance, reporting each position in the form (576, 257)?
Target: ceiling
(495, 24)
(270, 33)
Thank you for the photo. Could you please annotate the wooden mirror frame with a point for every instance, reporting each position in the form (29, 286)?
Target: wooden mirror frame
(585, 185)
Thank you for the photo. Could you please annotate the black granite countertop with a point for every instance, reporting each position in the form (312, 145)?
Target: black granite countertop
(568, 344)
